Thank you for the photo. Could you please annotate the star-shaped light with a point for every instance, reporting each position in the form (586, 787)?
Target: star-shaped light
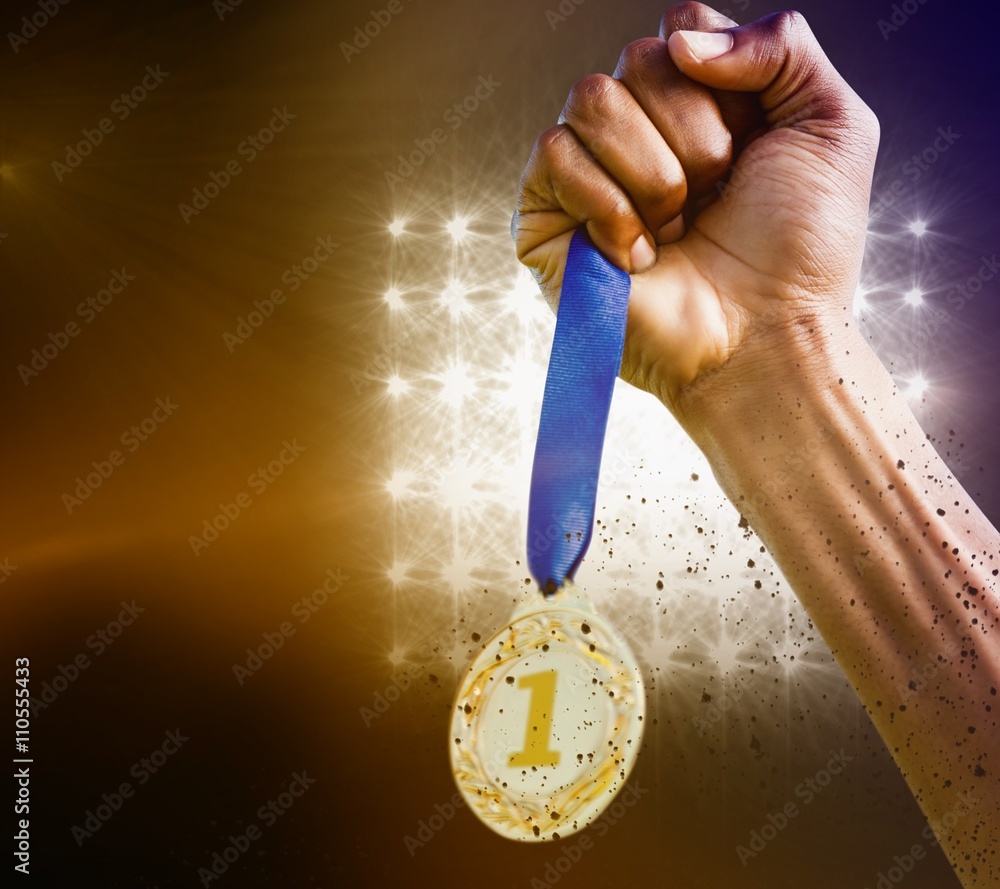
(458, 228)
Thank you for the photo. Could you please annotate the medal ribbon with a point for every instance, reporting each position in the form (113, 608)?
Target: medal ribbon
(585, 360)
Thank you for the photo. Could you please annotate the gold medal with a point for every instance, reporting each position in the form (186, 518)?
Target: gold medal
(548, 720)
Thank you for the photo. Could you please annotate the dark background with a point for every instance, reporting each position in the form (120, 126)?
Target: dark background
(320, 372)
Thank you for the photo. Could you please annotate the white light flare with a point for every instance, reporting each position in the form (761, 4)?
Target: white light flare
(917, 387)
(458, 228)
(397, 573)
(397, 386)
(453, 298)
(456, 384)
(524, 299)
(860, 301)
(399, 485)
(914, 297)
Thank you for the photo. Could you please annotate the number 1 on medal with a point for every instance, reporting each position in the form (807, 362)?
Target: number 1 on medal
(538, 731)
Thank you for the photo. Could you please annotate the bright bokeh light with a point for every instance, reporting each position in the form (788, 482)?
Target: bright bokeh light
(397, 227)
(919, 228)
(456, 384)
(463, 371)
(397, 573)
(524, 299)
(453, 298)
(917, 387)
(394, 297)
(396, 385)
(458, 228)
(860, 300)
(399, 484)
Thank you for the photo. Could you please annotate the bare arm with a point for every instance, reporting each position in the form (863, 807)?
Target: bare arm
(740, 321)
(893, 561)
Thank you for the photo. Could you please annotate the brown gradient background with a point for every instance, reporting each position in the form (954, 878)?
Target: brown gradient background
(293, 380)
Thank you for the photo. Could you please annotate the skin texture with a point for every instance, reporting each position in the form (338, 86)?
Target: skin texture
(735, 190)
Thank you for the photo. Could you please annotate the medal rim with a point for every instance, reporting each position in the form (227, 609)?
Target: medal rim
(580, 802)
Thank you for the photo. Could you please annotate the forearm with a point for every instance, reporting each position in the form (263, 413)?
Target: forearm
(893, 561)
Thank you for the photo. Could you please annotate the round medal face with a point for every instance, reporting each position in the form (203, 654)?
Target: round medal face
(548, 721)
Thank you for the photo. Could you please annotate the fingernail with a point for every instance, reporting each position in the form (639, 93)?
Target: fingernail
(707, 45)
(643, 255)
(672, 231)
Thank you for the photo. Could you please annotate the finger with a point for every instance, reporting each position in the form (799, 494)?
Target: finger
(779, 58)
(741, 112)
(608, 120)
(564, 187)
(683, 112)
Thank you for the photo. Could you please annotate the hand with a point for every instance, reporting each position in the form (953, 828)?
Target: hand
(718, 268)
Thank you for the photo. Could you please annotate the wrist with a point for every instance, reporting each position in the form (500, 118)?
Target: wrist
(786, 391)
(806, 356)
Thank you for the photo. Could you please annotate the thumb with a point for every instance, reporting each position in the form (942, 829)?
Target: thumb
(779, 58)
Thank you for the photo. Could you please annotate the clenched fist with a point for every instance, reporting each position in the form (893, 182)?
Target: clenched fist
(728, 169)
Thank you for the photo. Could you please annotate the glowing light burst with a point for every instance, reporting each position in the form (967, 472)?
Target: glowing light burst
(397, 386)
(458, 228)
(454, 298)
(457, 384)
(399, 484)
(466, 377)
(916, 387)
(397, 573)
(860, 301)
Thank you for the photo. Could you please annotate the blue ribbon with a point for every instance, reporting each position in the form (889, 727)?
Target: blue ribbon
(585, 361)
